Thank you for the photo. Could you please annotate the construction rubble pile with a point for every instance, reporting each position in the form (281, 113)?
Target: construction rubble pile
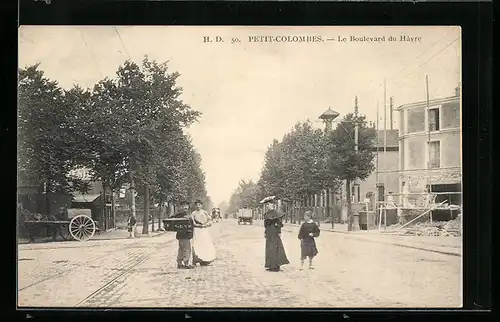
(436, 228)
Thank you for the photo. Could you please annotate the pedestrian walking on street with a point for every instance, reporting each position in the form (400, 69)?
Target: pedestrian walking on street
(203, 247)
(275, 252)
(185, 238)
(132, 221)
(308, 231)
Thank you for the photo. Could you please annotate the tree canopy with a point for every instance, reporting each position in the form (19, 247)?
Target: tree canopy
(345, 162)
(308, 161)
(47, 146)
(297, 166)
(133, 122)
(246, 195)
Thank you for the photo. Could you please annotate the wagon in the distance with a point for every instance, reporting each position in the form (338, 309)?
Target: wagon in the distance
(80, 227)
(245, 216)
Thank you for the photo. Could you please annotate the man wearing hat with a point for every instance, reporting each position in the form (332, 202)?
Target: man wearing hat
(275, 252)
(185, 239)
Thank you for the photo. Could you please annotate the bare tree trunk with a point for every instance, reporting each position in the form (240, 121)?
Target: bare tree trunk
(145, 219)
(104, 223)
(171, 208)
(132, 193)
(113, 206)
(349, 208)
(47, 199)
(160, 215)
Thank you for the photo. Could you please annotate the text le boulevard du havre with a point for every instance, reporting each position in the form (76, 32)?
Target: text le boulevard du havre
(312, 39)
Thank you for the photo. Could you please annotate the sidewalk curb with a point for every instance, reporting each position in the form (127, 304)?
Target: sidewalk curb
(365, 239)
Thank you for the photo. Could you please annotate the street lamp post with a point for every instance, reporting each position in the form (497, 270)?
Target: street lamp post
(355, 217)
(328, 117)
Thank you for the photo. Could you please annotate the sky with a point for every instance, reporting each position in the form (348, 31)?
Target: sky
(250, 93)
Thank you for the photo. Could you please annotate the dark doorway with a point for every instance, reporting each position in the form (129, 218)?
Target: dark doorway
(380, 192)
(451, 193)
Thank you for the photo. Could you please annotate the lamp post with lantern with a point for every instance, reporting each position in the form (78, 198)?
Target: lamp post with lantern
(356, 183)
(354, 205)
(328, 117)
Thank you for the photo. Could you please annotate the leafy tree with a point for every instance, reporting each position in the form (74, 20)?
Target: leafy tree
(297, 167)
(305, 165)
(345, 162)
(135, 128)
(245, 196)
(273, 177)
(47, 147)
(223, 206)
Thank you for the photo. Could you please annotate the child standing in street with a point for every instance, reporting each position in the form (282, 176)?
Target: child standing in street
(308, 231)
(132, 221)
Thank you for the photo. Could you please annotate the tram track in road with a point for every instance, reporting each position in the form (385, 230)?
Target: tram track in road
(68, 270)
(92, 260)
(127, 268)
(103, 288)
(110, 291)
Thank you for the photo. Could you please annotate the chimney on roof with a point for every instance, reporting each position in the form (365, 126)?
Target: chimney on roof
(457, 91)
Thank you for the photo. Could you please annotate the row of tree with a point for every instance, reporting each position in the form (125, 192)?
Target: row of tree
(309, 160)
(124, 130)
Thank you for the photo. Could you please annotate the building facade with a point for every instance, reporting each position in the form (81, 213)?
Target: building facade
(430, 150)
(384, 180)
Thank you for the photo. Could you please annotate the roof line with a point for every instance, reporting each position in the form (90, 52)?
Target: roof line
(424, 103)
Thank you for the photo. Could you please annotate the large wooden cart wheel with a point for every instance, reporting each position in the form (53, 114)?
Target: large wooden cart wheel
(82, 228)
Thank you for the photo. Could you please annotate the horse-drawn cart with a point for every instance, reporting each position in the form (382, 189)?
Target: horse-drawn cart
(80, 228)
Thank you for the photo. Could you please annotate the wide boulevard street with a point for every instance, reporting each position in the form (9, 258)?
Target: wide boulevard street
(351, 270)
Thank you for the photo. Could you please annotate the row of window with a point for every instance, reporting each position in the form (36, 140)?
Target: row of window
(441, 117)
(416, 157)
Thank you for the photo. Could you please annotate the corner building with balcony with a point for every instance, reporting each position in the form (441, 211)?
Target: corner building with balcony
(430, 150)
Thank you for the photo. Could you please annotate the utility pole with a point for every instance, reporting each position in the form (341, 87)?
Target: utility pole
(356, 124)
(376, 207)
(429, 174)
(385, 168)
(391, 105)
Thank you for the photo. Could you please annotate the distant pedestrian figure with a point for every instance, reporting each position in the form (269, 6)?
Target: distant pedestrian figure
(308, 231)
(275, 252)
(132, 221)
(185, 238)
(63, 214)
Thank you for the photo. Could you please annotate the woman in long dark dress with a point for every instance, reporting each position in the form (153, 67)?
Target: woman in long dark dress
(275, 252)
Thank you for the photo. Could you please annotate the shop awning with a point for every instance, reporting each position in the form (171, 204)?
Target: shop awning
(85, 198)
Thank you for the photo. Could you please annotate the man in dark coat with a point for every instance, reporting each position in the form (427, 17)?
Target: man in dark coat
(63, 213)
(275, 252)
(185, 239)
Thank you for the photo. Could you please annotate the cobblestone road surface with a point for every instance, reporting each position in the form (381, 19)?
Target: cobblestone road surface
(142, 273)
